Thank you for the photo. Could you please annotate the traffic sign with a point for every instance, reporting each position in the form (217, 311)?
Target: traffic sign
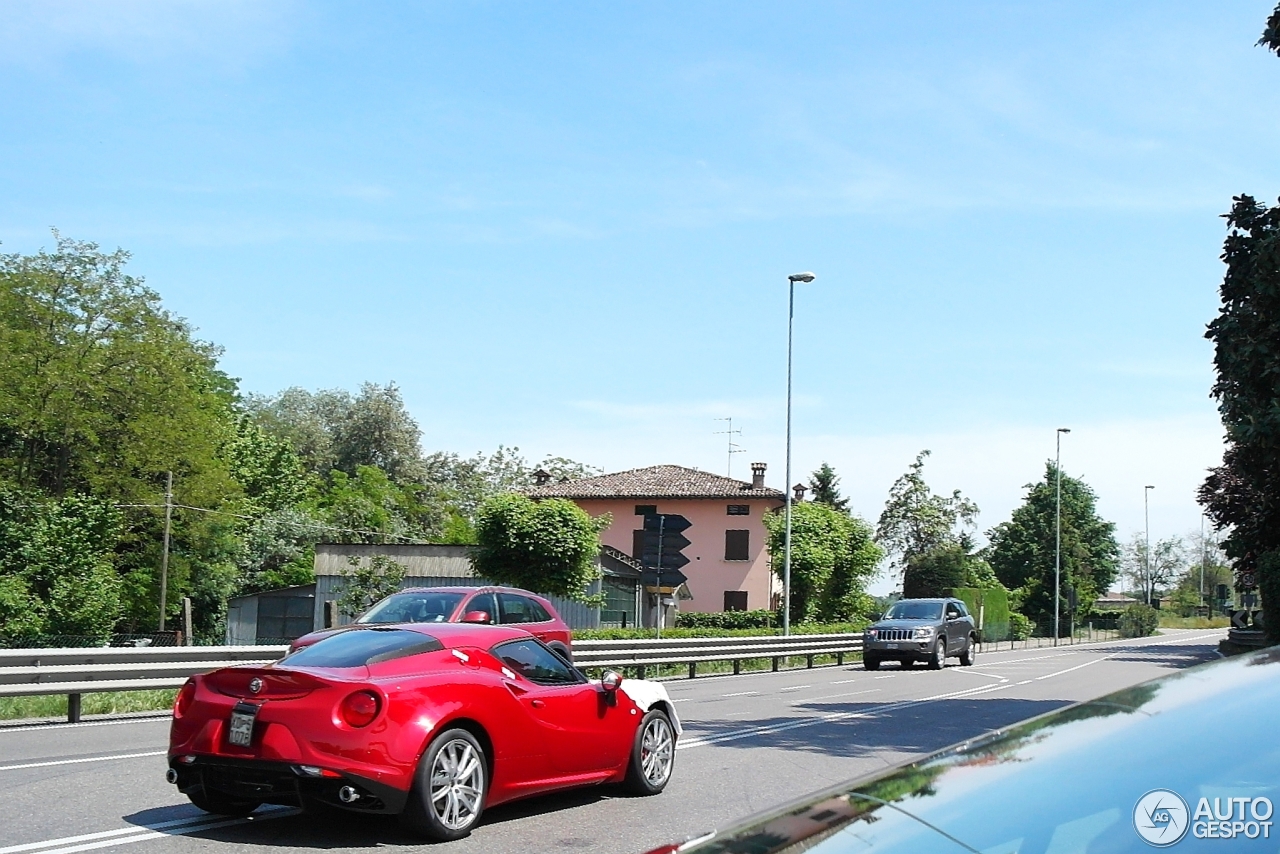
(664, 542)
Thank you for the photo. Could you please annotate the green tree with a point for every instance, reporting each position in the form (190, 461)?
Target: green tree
(101, 389)
(1240, 495)
(833, 556)
(550, 546)
(1022, 550)
(947, 567)
(915, 521)
(825, 484)
(367, 582)
(1151, 577)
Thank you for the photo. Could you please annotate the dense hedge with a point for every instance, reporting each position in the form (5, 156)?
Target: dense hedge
(989, 606)
(759, 619)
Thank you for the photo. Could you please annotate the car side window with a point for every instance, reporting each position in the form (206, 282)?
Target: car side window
(521, 609)
(952, 612)
(483, 602)
(535, 662)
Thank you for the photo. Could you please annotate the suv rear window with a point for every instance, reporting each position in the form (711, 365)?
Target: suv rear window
(360, 647)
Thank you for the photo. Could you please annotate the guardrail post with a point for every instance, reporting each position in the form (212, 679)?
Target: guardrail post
(73, 708)
(809, 660)
(839, 659)
(737, 666)
(641, 669)
(693, 669)
(775, 664)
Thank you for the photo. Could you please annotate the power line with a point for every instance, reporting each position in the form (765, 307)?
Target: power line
(313, 525)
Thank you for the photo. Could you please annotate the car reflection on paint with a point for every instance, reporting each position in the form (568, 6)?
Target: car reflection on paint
(1103, 776)
(432, 723)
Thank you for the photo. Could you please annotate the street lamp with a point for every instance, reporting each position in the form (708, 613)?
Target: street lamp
(786, 563)
(1057, 526)
(1146, 556)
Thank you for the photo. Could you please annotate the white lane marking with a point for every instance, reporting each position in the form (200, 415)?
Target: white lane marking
(973, 672)
(844, 681)
(794, 688)
(1077, 667)
(33, 727)
(79, 761)
(126, 835)
(741, 694)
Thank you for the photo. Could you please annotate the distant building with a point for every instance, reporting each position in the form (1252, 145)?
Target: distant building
(728, 562)
(1113, 601)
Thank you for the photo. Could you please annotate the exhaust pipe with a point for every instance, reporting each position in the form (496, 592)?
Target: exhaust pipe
(171, 776)
(348, 795)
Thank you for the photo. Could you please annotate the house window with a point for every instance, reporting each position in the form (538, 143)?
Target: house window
(737, 545)
(637, 544)
(646, 509)
(739, 509)
(735, 600)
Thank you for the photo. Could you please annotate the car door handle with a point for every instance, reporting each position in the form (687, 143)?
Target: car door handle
(537, 704)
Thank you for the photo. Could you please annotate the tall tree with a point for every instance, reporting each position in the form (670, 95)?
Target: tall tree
(825, 484)
(1022, 551)
(101, 389)
(916, 521)
(1242, 496)
(833, 556)
(1150, 577)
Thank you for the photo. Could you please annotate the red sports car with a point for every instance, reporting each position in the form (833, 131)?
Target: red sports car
(430, 722)
(489, 605)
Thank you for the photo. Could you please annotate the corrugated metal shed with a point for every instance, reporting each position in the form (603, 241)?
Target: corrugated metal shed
(427, 560)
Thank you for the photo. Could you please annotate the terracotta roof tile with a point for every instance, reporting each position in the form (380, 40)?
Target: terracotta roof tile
(655, 482)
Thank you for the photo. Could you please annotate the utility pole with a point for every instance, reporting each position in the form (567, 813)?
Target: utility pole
(1057, 528)
(734, 447)
(164, 557)
(657, 598)
(1146, 517)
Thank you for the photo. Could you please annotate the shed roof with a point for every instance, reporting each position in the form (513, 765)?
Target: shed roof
(664, 481)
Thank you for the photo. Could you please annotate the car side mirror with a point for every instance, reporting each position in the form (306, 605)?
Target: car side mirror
(476, 617)
(609, 681)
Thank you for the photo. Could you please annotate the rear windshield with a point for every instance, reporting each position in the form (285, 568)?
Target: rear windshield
(360, 647)
(915, 611)
(413, 608)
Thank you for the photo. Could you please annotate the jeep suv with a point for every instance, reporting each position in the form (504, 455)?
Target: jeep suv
(928, 630)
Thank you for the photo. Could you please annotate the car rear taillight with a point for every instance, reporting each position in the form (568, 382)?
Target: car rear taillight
(184, 699)
(359, 709)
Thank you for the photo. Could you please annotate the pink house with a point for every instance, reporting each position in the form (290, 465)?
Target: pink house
(728, 565)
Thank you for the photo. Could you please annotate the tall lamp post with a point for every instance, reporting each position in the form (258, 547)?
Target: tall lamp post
(1146, 556)
(786, 561)
(1057, 528)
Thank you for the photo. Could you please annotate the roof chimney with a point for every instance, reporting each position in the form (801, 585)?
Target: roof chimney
(541, 477)
(799, 489)
(757, 475)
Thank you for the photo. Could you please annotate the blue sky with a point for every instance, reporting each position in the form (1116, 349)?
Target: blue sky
(567, 226)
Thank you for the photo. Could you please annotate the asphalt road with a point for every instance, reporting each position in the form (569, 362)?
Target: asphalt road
(750, 742)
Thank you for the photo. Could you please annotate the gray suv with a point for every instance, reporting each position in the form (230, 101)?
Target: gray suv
(928, 630)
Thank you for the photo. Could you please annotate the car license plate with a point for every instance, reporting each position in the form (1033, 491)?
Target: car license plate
(893, 646)
(242, 717)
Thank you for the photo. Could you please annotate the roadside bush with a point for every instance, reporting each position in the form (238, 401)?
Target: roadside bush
(1138, 621)
(643, 634)
(1020, 626)
(988, 606)
(759, 619)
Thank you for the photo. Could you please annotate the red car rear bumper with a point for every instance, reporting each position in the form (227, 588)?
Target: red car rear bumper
(283, 783)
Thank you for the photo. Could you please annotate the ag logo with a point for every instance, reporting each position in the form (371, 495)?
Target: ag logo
(1161, 817)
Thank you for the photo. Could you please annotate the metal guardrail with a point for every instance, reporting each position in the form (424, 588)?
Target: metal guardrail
(74, 672)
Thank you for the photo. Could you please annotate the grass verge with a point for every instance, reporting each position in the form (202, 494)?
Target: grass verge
(105, 703)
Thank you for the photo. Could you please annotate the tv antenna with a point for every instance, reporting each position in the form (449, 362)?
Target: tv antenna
(734, 447)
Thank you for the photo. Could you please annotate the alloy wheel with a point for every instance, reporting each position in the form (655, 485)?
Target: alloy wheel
(657, 750)
(457, 785)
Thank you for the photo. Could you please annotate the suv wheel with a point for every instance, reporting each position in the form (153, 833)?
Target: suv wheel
(870, 662)
(938, 656)
(970, 652)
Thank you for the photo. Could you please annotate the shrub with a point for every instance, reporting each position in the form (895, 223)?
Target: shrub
(759, 619)
(1138, 621)
(1020, 626)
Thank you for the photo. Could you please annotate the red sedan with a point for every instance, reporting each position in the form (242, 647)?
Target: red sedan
(507, 606)
(430, 722)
